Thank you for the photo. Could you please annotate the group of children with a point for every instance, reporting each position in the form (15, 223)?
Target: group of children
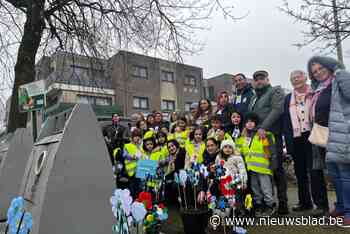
(237, 147)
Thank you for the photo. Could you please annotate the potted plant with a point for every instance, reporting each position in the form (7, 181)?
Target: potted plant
(188, 184)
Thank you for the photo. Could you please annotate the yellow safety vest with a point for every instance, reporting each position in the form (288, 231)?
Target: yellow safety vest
(130, 165)
(214, 135)
(255, 154)
(155, 156)
(164, 152)
(193, 151)
(181, 137)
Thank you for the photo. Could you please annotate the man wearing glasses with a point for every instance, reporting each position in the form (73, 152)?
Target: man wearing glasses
(267, 103)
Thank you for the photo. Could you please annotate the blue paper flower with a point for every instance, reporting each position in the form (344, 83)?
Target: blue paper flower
(14, 216)
(16, 207)
(138, 211)
(16, 226)
(176, 178)
(162, 216)
(27, 223)
(239, 230)
(219, 171)
(196, 166)
(183, 177)
(222, 204)
(204, 171)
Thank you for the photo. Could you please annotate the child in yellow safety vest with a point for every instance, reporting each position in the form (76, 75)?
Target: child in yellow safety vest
(132, 152)
(257, 153)
(195, 147)
(217, 130)
(162, 144)
(150, 151)
(180, 132)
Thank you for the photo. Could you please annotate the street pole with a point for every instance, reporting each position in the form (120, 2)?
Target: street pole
(34, 126)
(337, 33)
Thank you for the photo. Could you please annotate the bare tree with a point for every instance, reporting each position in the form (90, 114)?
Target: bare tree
(328, 21)
(96, 28)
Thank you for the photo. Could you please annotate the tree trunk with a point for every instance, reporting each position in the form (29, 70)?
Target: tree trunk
(25, 64)
(337, 33)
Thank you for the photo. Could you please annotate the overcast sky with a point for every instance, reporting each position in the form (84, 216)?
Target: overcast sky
(262, 40)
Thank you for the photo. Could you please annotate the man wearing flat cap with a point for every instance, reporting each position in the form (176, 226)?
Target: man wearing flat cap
(268, 104)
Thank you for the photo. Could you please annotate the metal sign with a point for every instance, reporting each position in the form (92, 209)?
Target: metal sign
(31, 96)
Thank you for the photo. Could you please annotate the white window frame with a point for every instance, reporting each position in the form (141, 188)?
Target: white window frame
(166, 105)
(140, 103)
(167, 76)
(136, 72)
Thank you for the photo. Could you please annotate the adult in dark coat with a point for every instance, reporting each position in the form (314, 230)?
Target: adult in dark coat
(296, 131)
(159, 122)
(243, 94)
(176, 162)
(116, 135)
(211, 152)
(267, 103)
(224, 108)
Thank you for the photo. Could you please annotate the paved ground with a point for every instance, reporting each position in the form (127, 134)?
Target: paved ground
(174, 224)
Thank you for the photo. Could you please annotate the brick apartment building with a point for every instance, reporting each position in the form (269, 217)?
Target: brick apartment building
(144, 83)
(129, 81)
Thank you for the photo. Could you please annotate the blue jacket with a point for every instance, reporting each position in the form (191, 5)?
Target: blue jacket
(338, 147)
(242, 99)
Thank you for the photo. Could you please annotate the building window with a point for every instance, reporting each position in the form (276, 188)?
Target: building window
(190, 80)
(167, 76)
(168, 105)
(140, 103)
(139, 72)
(103, 101)
(99, 101)
(211, 95)
(80, 70)
(188, 106)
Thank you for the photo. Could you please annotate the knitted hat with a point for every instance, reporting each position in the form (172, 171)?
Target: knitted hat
(251, 116)
(227, 142)
(329, 63)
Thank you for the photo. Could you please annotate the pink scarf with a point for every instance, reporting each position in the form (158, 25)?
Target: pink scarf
(294, 112)
(316, 95)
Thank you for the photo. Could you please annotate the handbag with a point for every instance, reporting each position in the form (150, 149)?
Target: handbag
(319, 135)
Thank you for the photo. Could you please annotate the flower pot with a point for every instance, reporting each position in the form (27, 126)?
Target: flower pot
(195, 220)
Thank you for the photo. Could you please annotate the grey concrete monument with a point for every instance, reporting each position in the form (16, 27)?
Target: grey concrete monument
(14, 152)
(68, 179)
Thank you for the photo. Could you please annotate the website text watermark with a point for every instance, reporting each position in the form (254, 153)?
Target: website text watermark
(215, 221)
